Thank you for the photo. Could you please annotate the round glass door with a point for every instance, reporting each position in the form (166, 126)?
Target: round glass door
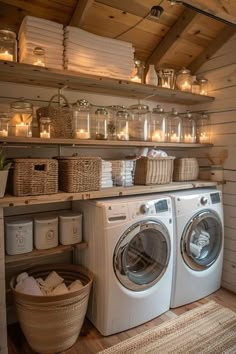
(202, 240)
(142, 255)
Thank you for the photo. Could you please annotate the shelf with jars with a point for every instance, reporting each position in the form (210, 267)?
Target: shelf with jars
(42, 76)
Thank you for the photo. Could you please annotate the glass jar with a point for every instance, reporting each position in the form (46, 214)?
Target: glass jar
(39, 56)
(138, 71)
(139, 125)
(4, 121)
(111, 126)
(151, 76)
(190, 132)
(101, 118)
(22, 116)
(184, 80)
(203, 86)
(82, 119)
(203, 128)
(166, 78)
(195, 86)
(159, 126)
(8, 45)
(45, 127)
(175, 130)
(122, 124)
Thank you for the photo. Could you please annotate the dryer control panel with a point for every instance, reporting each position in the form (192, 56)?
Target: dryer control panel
(150, 208)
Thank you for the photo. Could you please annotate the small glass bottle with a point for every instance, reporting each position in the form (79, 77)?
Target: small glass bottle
(101, 117)
(203, 86)
(139, 125)
(195, 86)
(203, 129)
(45, 127)
(159, 125)
(4, 121)
(82, 119)
(184, 80)
(8, 45)
(151, 77)
(22, 116)
(122, 125)
(39, 56)
(175, 130)
(139, 71)
(190, 133)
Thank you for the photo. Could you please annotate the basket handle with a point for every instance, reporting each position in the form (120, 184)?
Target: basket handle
(59, 95)
(40, 167)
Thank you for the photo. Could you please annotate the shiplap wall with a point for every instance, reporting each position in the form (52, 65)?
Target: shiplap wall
(221, 72)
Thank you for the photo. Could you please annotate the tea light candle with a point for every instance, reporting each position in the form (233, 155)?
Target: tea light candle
(186, 86)
(82, 134)
(157, 135)
(189, 138)
(6, 56)
(174, 138)
(45, 134)
(22, 129)
(204, 138)
(136, 79)
(122, 136)
(3, 132)
(39, 63)
(166, 85)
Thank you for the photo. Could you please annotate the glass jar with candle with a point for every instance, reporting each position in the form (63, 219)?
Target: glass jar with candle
(203, 128)
(203, 86)
(175, 129)
(101, 121)
(166, 78)
(21, 121)
(82, 119)
(159, 126)
(122, 124)
(45, 127)
(139, 125)
(184, 80)
(4, 121)
(139, 71)
(190, 133)
(8, 45)
(39, 56)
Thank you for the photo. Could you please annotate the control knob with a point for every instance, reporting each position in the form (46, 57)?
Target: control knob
(144, 209)
(203, 200)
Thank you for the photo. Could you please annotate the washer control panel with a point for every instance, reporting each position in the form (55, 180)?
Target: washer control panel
(150, 208)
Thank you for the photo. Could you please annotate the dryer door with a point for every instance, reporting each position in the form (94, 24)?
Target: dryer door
(201, 241)
(142, 255)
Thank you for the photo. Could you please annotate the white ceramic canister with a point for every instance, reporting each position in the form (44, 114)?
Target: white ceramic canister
(70, 228)
(45, 232)
(217, 173)
(19, 237)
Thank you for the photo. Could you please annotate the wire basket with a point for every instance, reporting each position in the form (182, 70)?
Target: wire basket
(185, 169)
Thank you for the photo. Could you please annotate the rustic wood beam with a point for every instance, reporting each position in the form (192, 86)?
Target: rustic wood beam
(80, 12)
(212, 48)
(172, 35)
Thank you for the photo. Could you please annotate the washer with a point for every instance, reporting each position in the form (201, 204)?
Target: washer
(198, 245)
(130, 251)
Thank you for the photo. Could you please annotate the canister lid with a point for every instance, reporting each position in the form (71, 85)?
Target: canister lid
(70, 216)
(184, 71)
(46, 219)
(19, 223)
(21, 104)
(101, 111)
(158, 109)
(140, 108)
(202, 80)
(122, 114)
(82, 103)
(6, 34)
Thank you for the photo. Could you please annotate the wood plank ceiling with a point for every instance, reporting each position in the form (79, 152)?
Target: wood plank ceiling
(181, 37)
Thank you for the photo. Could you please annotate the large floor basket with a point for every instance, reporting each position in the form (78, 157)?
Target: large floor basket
(51, 324)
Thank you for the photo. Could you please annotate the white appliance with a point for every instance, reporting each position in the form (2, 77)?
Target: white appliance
(198, 245)
(130, 252)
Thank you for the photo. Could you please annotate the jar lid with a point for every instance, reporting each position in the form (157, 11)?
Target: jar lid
(184, 71)
(102, 111)
(166, 71)
(188, 114)
(5, 116)
(174, 112)
(139, 64)
(202, 80)
(204, 116)
(82, 103)
(116, 107)
(142, 108)
(122, 114)
(158, 109)
(39, 51)
(6, 34)
(21, 104)
(45, 119)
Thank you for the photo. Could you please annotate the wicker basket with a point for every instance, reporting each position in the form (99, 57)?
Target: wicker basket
(35, 177)
(61, 116)
(52, 324)
(79, 174)
(185, 169)
(154, 170)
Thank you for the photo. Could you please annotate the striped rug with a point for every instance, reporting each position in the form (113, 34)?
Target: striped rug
(208, 329)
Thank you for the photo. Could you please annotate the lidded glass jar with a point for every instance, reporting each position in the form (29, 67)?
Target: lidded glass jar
(45, 127)
(175, 130)
(195, 86)
(159, 125)
(101, 122)
(8, 45)
(122, 124)
(4, 121)
(184, 80)
(203, 86)
(139, 125)
(139, 71)
(203, 129)
(22, 116)
(39, 56)
(82, 119)
(111, 125)
(190, 132)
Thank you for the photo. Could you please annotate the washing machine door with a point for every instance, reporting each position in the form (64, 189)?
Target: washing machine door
(142, 255)
(201, 241)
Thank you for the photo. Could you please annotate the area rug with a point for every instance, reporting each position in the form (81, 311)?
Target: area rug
(208, 329)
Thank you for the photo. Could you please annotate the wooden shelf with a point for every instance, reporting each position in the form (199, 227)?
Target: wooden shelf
(36, 254)
(34, 75)
(11, 201)
(102, 143)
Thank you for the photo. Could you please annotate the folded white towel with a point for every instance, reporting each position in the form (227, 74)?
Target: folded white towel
(31, 20)
(106, 68)
(31, 59)
(30, 37)
(75, 285)
(91, 71)
(29, 45)
(40, 31)
(59, 290)
(107, 184)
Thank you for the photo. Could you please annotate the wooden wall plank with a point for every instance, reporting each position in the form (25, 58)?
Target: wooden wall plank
(80, 12)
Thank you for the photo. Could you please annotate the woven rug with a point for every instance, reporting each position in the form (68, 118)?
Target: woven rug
(208, 329)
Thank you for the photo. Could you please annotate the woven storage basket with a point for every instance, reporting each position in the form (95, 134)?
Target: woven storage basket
(35, 177)
(185, 169)
(61, 116)
(52, 324)
(79, 174)
(154, 170)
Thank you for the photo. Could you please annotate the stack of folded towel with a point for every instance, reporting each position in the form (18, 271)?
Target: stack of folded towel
(122, 172)
(37, 32)
(93, 54)
(106, 180)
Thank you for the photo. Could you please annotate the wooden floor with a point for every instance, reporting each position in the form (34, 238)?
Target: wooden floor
(90, 341)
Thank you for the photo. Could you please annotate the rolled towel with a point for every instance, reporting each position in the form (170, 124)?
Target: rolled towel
(75, 285)
(59, 290)
(27, 285)
(195, 249)
(53, 280)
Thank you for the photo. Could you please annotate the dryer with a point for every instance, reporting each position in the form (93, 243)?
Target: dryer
(130, 251)
(198, 245)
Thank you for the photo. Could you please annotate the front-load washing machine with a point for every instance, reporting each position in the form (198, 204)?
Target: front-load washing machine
(130, 252)
(198, 245)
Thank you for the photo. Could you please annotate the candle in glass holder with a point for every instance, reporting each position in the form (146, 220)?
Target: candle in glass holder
(3, 132)
(6, 56)
(188, 138)
(122, 135)
(203, 138)
(158, 135)
(174, 138)
(82, 134)
(186, 86)
(22, 129)
(45, 134)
